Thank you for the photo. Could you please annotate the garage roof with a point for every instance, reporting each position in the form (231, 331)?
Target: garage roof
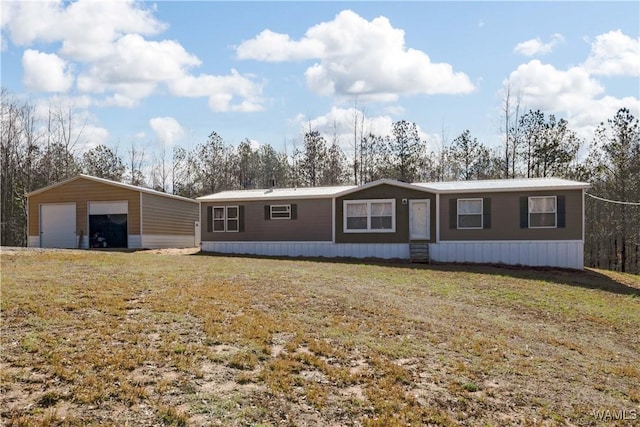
(113, 183)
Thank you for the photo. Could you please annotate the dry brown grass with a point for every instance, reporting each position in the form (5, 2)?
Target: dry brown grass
(154, 339)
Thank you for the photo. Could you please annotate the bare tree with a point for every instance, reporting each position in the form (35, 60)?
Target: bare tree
(135, 165)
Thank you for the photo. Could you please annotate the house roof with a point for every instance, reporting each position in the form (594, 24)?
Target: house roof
(109, 182)
(276, 194)
(500, 185)
(484, 186)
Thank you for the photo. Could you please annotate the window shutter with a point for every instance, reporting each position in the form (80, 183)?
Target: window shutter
(486, 212)
(562, 221)
(294, 211)
(524, 212)
(267, 212)
(240, 219)
(209, 219)
(453, 213)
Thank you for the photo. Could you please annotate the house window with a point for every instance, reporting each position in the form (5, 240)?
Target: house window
(232, 218)
(218, 219)
(470, 213)
(280, 212)
(376, 216)
(543, 212)
(226, 218)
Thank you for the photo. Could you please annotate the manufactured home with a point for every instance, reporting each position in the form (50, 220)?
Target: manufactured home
(89, 212)
(533, 222)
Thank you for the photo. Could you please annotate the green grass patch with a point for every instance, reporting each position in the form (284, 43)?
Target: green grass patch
(152, 339)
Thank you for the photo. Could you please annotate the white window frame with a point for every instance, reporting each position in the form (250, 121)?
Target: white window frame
(555, 212)
(346, 203)
(481, 213)
(225, 218)
(286, 211)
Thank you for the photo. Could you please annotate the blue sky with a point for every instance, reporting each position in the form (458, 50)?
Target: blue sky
(168, 73)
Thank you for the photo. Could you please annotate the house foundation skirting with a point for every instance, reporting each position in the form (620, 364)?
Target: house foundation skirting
(311, 249)
(551, 253)
(534, 253)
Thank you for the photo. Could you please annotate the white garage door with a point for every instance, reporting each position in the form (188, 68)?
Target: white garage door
(58, 225)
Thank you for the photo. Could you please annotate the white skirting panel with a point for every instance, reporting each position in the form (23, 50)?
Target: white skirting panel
(33, 242)
(134, 241)
(535, 253)
(159, 241)
(311, 249)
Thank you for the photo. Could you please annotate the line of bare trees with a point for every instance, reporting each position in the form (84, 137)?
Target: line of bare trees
(36, 153)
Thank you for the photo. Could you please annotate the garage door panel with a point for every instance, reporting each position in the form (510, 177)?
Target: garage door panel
(58, 225)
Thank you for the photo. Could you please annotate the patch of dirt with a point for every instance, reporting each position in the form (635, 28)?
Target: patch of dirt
(171, 251)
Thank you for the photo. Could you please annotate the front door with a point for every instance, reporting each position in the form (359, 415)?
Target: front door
(419, 219)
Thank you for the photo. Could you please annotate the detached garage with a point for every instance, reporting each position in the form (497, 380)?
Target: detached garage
(89, 212)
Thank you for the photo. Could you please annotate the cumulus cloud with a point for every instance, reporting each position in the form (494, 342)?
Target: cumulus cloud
(359, 57)
(85, 28)
(338, 123)
(573, 94)
(106, 43)
(614, 54)
(536, 46)
(280, 48)
(45, 72)
(167, 130)
(221, 91)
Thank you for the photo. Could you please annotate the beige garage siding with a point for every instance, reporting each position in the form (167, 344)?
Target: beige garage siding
(167, 216)
(82, 191)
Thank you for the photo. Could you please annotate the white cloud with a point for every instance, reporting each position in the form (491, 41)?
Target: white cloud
(92, 136)
(614, 53)
(167, 130)
(221, 91)
(359, 58)
(572, 94)
(280, 48)
(537, 47)
(86, 28)
(45, 72)
(106, 41)
(338, 123)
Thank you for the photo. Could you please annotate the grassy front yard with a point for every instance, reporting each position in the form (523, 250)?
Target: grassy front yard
(146, 339)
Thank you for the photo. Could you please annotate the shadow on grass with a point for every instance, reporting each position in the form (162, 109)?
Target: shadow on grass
(588, 278)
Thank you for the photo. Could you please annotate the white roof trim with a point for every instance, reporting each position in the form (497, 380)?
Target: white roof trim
(381, 182)
(503, 185)
(275, 194)
(109, 182)
(453, 187)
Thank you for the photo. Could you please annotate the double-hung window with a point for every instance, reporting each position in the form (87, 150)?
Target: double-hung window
(470, 213)
(375, 216)
(543, 212)
(226, 218)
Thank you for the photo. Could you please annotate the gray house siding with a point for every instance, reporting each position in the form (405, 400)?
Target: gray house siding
(385, 191)
(312, 222)
(505, 218)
